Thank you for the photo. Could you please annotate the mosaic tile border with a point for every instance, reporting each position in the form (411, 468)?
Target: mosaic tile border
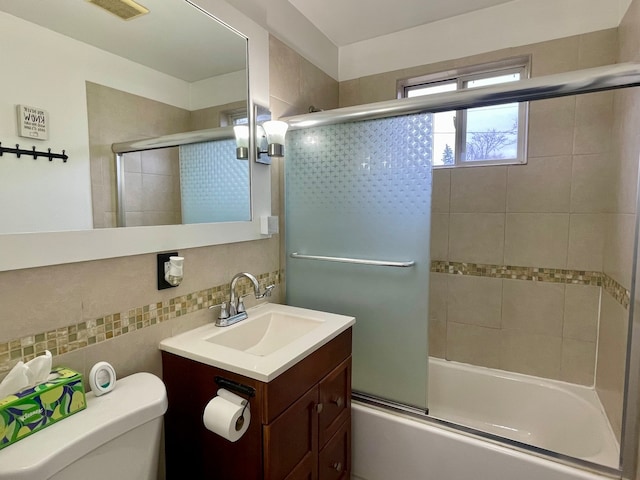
(537, 274)
(90, 332)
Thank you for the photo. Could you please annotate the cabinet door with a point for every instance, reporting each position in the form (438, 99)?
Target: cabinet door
(290, 448)
(335, 397)
(335, 458)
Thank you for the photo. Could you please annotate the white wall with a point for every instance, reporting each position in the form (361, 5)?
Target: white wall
(520, 22)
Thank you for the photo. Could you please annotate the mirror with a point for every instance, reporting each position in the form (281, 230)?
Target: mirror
(102, 80)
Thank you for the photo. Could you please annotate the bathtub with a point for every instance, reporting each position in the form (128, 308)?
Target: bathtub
(551, 415)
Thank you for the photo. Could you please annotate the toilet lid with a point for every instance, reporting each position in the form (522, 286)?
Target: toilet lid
(135, 400)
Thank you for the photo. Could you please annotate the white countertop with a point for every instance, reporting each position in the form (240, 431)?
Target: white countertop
(197, 344)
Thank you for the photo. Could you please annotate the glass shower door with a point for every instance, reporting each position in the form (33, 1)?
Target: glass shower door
(362, 191)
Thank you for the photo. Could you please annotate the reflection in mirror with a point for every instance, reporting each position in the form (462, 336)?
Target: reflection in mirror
(103, 80)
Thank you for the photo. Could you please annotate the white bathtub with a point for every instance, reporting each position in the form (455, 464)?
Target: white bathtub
(552, 415)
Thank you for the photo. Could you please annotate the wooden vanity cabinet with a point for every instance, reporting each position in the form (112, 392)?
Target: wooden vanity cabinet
(300, 421)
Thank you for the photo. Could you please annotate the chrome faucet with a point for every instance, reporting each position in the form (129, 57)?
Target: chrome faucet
(237, 311)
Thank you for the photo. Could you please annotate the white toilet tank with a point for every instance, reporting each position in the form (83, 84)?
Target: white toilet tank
(116, 437)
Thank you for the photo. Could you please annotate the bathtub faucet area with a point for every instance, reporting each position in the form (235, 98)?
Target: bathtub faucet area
(237, 311)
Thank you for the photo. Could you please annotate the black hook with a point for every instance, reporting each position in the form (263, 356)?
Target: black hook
(17, 150)
(64, 157)
(35, 154)
(1, 149)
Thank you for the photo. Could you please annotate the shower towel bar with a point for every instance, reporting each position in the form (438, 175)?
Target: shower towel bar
(359, 261)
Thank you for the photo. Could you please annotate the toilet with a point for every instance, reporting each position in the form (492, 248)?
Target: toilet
(116, 437)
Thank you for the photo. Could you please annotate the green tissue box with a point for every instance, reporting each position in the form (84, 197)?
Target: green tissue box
(33, 409)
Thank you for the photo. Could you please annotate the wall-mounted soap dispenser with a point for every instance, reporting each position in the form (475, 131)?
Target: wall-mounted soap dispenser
(170, 270)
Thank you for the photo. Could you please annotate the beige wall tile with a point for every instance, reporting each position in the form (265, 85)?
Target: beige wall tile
(476, 237)
(542, 185)
(594, 118)
(612, 347)
(619, 245)
(350, 93)
(533, 307)
(439, 236)
(578, 361)
(627, 147)
(474, 300)
(586, 241)
(317, 88)
(441, 190)
(536, 239)
(437, 339)
(377, 88)
(473, 344)
(284, 72)
(478, 189)
(591, 186)
(581, 312)
(598, 48)
(438, 297)
(551, 127)
(531, 353)
(555, 56)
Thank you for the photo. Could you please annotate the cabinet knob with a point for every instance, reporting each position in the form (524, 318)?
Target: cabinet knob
(337, 466)
(338, 401)
(319, 407)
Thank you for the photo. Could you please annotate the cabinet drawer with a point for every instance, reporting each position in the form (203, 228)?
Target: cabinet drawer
(335, 397)
(335, 458)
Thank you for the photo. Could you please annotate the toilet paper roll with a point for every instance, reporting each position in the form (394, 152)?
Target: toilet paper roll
(226, 418)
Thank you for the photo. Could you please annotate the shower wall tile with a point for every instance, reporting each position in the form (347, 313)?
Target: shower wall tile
(473, 344)
(441, 191)
(578, 361)
(592, 178)
(542, 185)
(536, 239)
(476, 237)
(438, 297)
(594, 118)
(551, 125)
(531, 353)
(478, 189)
(474, 300)
(627, 148)
(555, 56)
(612, 347)
(533, 307)
(619, 244)
(598, 48)
(586, 241)
(439, 240)
(581, 312)
(437, 338)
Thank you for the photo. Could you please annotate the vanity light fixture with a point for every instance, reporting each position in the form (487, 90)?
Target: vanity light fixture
(276, 131)
(273, 130)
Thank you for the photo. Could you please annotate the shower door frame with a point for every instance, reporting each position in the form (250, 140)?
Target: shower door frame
(617, 76)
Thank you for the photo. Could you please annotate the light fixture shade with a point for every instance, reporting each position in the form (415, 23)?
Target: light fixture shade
(242, 141)
(276, 131)
(242, 135)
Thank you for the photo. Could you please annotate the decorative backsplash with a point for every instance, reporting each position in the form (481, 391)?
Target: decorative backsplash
(90, 332)
(537, 274)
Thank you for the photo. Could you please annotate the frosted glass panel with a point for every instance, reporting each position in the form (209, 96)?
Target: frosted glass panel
(363, 190)
(214, 184)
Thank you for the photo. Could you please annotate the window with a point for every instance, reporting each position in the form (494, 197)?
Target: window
(476, 136)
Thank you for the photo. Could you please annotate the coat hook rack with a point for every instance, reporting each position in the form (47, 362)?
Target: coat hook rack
(33, 153)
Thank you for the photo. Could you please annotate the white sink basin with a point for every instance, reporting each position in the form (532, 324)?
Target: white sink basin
(272, 339)
(265, 334)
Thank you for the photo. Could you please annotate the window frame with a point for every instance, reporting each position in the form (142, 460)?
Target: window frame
(461, 76)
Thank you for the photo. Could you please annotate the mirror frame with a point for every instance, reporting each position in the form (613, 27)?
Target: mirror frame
(28, 250)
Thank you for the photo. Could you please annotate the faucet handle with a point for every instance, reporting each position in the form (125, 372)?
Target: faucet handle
(241, 307)
(267, 291)
(223, 310)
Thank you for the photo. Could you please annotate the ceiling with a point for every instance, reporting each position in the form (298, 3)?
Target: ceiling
(349, 21)
(157, 40)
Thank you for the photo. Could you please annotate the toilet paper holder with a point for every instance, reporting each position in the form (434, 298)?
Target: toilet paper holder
(235, 386)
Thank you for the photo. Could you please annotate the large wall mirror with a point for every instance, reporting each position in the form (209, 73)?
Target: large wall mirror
(98, 80)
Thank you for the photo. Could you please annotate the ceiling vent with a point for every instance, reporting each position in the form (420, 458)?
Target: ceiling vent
(124, 9)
